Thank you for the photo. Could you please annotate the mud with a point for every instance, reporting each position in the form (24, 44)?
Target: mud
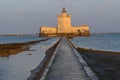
(105, 63)
(11, 49)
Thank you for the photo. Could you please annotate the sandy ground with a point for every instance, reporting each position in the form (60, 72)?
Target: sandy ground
(105, 63)
(12, 49)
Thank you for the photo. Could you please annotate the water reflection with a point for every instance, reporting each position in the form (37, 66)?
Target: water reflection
(18, 67)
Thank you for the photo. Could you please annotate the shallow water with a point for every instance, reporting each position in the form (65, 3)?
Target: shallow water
(108, 42)
(18, 67)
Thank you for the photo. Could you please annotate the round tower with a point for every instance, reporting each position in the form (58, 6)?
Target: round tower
(64, 22)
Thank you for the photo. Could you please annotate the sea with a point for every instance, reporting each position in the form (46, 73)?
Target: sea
(99, 41)
(19, 39)
(19, 66)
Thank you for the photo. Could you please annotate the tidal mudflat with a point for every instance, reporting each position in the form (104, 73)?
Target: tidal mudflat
(105, 63)
(19, 66)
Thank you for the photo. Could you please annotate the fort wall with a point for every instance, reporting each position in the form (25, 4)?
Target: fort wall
(64, 27)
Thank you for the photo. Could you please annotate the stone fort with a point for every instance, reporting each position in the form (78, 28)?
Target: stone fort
(64, 27)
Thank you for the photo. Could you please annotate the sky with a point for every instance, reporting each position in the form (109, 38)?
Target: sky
(26, 16)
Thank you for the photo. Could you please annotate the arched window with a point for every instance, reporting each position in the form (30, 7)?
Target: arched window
(79, 31)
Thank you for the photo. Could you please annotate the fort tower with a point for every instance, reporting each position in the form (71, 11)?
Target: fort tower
(64, 27)
(64, 22)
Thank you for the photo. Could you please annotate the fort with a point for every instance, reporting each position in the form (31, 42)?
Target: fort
(64, 27)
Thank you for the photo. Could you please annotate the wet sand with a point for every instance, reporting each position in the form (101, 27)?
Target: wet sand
(14, 48)
(105, 63)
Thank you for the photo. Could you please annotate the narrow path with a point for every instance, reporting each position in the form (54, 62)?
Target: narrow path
(65, 65)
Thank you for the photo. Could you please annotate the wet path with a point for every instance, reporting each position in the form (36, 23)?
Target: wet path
(65, 65)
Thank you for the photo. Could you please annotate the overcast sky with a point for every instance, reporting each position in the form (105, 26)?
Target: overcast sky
(26, 16)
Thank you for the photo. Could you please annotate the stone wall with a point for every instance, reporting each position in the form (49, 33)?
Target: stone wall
(64, 23)
(64, 27)
(44, 29)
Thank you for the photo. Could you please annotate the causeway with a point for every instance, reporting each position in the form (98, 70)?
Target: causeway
(67, 66)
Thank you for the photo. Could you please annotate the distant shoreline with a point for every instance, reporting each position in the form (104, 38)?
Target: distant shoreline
(19, 34)
(37, 34)
(105, 33)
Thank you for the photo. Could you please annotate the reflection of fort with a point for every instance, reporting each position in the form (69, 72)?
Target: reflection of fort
(64, 27)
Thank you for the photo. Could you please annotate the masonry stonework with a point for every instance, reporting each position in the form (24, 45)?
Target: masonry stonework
(64, 27)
